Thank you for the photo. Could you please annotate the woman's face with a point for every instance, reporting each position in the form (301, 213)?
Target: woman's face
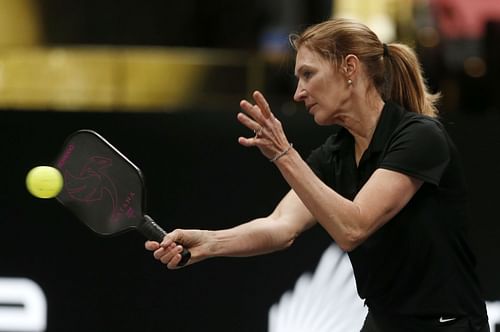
(323, 89)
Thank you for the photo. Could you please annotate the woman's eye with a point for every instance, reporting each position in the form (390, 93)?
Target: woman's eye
(307, 74)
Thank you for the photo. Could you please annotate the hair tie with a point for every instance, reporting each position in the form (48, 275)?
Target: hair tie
(386, 50)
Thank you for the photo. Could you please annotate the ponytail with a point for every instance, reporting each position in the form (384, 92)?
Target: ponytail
(404, 82)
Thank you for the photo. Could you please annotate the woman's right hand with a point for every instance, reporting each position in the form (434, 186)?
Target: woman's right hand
(169, 250)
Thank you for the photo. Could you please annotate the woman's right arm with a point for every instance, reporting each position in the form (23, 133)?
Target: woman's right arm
(259, 236)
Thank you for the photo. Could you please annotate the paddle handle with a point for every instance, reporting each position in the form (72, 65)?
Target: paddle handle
(154, 232)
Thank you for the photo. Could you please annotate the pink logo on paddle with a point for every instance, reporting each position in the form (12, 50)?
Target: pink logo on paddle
(66, 155)
(92, 183)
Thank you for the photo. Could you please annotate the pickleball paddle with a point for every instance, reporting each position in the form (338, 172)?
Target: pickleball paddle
(104, 189)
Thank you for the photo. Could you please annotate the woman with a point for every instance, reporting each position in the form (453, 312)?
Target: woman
(386, 185)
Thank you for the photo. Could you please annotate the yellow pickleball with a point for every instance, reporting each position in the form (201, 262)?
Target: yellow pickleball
(44, 181)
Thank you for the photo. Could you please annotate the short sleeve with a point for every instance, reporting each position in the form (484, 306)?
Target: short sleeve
(419, 149)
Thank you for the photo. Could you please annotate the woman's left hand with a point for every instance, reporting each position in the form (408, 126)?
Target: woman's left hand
(269, 135)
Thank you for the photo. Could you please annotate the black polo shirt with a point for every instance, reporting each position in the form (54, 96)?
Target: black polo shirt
(418, 263)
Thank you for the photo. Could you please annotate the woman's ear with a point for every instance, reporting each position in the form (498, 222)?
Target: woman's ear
(351, 65)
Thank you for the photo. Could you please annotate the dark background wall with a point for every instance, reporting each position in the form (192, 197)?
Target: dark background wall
(197, 176)
(198, 23)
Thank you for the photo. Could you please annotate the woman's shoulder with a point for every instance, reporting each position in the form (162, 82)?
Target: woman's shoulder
(418, 122)
(420, 130)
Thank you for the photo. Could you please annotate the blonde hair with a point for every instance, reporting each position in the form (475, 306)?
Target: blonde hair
(394, 68)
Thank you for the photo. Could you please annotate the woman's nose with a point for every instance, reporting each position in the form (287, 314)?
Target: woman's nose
(300, 94)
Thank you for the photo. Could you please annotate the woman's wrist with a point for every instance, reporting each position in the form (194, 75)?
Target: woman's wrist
(281, 154)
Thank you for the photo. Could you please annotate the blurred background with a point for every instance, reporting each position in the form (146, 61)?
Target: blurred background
(162, 81)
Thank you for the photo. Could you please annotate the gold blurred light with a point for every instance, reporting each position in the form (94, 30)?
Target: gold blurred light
(108, 78)
(20, 23)
(133, 78)
(428, 37)
(475, 66)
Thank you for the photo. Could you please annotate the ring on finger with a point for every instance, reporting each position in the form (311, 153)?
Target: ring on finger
(258, 132)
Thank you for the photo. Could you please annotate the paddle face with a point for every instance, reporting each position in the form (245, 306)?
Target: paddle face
(101, 186)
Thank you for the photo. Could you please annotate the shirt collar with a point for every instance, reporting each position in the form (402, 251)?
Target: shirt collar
(389, 118)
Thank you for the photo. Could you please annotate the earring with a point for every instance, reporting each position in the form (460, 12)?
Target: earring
(349, 81)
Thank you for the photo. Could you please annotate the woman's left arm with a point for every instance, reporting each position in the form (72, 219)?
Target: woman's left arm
(349, 222)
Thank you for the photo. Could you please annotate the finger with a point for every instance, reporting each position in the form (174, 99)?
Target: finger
(247, 142)
(248, 122)
(173, 263)
(252, 125)
(246, 106)
(253, 111)
(167, 241)
(151, 245)
(170, 257)
(263, 104)
(173, 238)
(158, 253)
(163, 251)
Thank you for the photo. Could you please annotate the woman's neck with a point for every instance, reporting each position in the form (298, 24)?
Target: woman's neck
(363, 122)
